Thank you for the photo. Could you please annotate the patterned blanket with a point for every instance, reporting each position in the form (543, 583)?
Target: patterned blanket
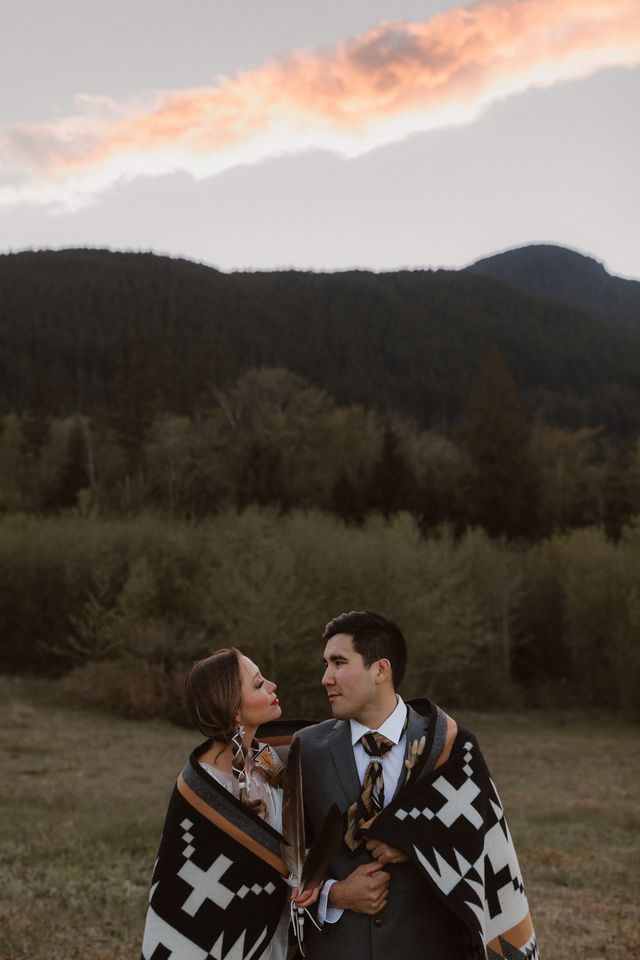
(449, 820)
(217, 890)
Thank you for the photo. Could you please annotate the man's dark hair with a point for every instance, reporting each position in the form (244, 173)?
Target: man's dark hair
(374, 638)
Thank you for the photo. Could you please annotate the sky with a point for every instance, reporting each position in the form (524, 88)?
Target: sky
(269, 134)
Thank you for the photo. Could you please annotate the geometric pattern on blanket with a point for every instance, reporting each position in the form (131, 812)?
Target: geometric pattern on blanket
(451, 823)
(211, 897)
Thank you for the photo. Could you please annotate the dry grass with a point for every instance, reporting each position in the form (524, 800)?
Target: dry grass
(84, 794)
(82, 804)
(571, 789)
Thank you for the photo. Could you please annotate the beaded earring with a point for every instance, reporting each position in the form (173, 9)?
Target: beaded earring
(238, 760)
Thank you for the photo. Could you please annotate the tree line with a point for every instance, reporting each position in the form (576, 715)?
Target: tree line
(122, 606)
(189, 459)
(273, 439)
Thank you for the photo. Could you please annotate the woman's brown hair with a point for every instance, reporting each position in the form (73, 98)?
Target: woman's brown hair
(213, 694)
(213, 691)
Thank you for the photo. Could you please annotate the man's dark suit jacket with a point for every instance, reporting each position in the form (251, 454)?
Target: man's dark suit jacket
(415, 924)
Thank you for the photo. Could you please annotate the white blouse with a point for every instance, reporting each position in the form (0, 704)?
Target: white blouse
(258, 788)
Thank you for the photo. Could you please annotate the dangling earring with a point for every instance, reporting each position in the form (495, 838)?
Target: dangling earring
(238, 759)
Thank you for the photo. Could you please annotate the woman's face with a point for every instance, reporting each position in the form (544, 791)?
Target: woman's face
(259, 703)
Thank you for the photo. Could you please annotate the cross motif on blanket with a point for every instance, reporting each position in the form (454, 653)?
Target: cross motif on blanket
(452, 824)
(494, 881)
(458, 802)
(206, 885)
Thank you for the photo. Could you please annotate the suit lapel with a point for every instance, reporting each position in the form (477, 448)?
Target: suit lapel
(341, 750)
(416, 728)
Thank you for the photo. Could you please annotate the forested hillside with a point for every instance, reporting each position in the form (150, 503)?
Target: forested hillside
(565, 276)
(83, 331)
(190, 459)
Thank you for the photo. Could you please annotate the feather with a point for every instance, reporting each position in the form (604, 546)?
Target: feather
(416, 749)
(293, 816)
(293, 849)
(322, 848)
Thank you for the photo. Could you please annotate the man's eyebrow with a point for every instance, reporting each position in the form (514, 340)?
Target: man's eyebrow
(334, 656)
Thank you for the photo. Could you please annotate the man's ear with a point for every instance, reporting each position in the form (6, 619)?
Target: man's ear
(383, 670)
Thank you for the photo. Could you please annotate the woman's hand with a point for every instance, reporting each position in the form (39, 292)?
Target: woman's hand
(307, 898)
(384, 853)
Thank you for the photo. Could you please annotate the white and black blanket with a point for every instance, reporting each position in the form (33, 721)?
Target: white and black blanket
(217, 890)
(449, 820)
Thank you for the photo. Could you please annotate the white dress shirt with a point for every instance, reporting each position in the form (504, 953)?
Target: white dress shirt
(392, 729)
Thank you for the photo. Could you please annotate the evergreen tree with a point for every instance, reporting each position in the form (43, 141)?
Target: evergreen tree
(35, 427)
(348, 496)
(503, 492)
(619, 500)
(136, 394)
(73, 474)
(262, 479)
(35, 430)
(392, 479)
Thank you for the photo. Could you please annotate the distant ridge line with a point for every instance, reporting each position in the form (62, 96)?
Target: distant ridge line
(76, 325)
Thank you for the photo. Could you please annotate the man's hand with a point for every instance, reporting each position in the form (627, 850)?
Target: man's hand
(383, 853)
(366, 890)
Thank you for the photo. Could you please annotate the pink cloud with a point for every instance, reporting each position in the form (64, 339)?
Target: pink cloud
(391, 81)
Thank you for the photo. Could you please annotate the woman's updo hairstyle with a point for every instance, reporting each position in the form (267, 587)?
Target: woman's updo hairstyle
(213, 694)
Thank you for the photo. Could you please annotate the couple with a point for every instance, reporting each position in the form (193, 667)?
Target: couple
(426, 868)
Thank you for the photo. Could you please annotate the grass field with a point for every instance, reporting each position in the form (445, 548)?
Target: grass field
(83, 797)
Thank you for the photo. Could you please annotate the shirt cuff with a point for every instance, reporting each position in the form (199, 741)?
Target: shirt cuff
(326, 913)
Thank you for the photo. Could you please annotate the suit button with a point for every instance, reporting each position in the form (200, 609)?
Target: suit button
(378, 922)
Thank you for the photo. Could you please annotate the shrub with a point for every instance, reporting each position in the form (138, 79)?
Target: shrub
(132, 688)
(488, 623)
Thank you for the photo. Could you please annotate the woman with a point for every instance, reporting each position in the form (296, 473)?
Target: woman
(218, 887)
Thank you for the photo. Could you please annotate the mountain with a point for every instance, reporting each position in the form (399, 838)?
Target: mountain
(90, 329)
(565, 276)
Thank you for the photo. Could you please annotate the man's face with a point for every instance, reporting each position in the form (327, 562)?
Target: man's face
(350, 686)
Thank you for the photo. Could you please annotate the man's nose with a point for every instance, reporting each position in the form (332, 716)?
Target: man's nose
(328, 677)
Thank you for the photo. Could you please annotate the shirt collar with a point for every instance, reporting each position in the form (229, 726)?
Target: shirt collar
(391, 728)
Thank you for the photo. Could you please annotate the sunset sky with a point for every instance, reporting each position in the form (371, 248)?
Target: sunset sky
(260, 134)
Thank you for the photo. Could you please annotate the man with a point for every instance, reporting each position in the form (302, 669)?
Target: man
(392, 894)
